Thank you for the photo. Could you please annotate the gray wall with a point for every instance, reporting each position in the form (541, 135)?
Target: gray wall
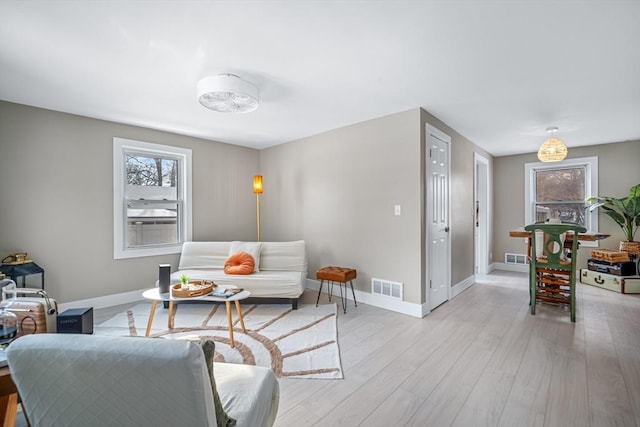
(462, 198)
(618, 170)
(337, 190)
(56, 198)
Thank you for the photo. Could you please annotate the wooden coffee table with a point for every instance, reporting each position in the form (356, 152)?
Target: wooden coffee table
(154, 295)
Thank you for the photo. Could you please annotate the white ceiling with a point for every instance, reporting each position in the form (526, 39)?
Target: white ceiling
(498, 72)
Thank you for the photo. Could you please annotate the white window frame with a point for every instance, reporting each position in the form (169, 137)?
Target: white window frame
(591, 189)
(120, 146)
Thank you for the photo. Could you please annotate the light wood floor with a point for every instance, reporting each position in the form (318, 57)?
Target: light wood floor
(481, 360)
(478, 360)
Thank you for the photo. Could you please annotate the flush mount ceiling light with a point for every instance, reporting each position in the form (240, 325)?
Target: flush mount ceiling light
(553, 149)
(227, 93)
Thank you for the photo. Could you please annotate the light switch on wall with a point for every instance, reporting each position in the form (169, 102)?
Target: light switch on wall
(397, 210)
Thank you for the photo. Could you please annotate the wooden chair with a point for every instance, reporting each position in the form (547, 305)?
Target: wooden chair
(552, 276)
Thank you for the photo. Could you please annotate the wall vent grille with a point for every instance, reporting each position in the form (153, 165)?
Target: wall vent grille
(386, 288)
(519, 259)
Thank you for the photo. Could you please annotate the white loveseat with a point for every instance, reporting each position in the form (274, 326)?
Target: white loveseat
(282, 268)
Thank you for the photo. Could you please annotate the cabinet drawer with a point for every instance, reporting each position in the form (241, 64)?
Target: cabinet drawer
(625, 285)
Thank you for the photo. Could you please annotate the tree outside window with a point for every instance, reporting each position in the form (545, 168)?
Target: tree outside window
(560, 190)
(152, 198)
(560, 193)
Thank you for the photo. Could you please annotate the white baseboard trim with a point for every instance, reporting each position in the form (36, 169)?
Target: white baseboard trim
(465, 284)
(105, 301)
(392, 304)
(511, 267)
(408, 308)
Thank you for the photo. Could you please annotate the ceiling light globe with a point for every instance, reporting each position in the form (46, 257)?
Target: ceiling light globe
(228, 93)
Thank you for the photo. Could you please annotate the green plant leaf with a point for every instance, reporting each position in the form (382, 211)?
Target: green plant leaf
(624, 211)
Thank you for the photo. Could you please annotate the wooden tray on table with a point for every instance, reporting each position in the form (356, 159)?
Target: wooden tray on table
(195, 288)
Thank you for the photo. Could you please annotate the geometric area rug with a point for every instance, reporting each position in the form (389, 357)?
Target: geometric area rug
(300, 343)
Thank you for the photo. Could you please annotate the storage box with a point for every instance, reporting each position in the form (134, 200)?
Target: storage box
(76, 321)
(625, 285)
(609, 255)
(615, 268)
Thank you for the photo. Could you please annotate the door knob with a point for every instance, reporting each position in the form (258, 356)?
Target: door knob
(446, 229)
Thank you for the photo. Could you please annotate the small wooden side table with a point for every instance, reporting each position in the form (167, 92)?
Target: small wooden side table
(154, 295)
(342, 275)
(8, 399)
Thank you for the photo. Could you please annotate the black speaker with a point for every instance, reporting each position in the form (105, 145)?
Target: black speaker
(163, 278)
(75, 321)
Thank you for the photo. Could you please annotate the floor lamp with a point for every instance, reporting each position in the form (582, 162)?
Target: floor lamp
(257, 190)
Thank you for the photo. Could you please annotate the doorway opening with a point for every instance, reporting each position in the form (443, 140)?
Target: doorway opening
(482, 214)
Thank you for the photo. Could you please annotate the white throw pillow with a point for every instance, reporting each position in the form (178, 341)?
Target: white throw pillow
(252, 249)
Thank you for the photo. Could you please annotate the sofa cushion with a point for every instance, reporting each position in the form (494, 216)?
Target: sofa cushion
(252, 249)
(203, 255)
(239, 263)
(266, 284)
(284, 256)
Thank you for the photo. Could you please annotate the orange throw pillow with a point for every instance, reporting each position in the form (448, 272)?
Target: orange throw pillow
(239, 263)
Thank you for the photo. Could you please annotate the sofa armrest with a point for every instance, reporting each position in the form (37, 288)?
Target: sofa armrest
(258, 408)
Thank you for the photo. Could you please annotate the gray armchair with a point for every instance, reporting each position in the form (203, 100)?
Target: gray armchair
(86, 380)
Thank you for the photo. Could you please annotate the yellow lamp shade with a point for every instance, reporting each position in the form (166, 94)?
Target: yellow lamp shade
(257, 184)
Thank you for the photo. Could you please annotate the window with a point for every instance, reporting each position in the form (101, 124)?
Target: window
(152, 198)
(560, 190)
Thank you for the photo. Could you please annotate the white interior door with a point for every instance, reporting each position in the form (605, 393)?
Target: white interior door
(482, 211)
(438, 247)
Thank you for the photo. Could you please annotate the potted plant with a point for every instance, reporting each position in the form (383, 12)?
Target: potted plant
(625, 212)
(184, 279)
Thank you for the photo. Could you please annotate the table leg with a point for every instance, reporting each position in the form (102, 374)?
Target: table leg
(9, 408)
(355, 303)
(151, 314)
(319, 291)
(240, 316)
(170, 319)
(230, 323)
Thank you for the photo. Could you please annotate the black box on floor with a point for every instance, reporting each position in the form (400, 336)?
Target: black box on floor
(617, 268)
(76, 321)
